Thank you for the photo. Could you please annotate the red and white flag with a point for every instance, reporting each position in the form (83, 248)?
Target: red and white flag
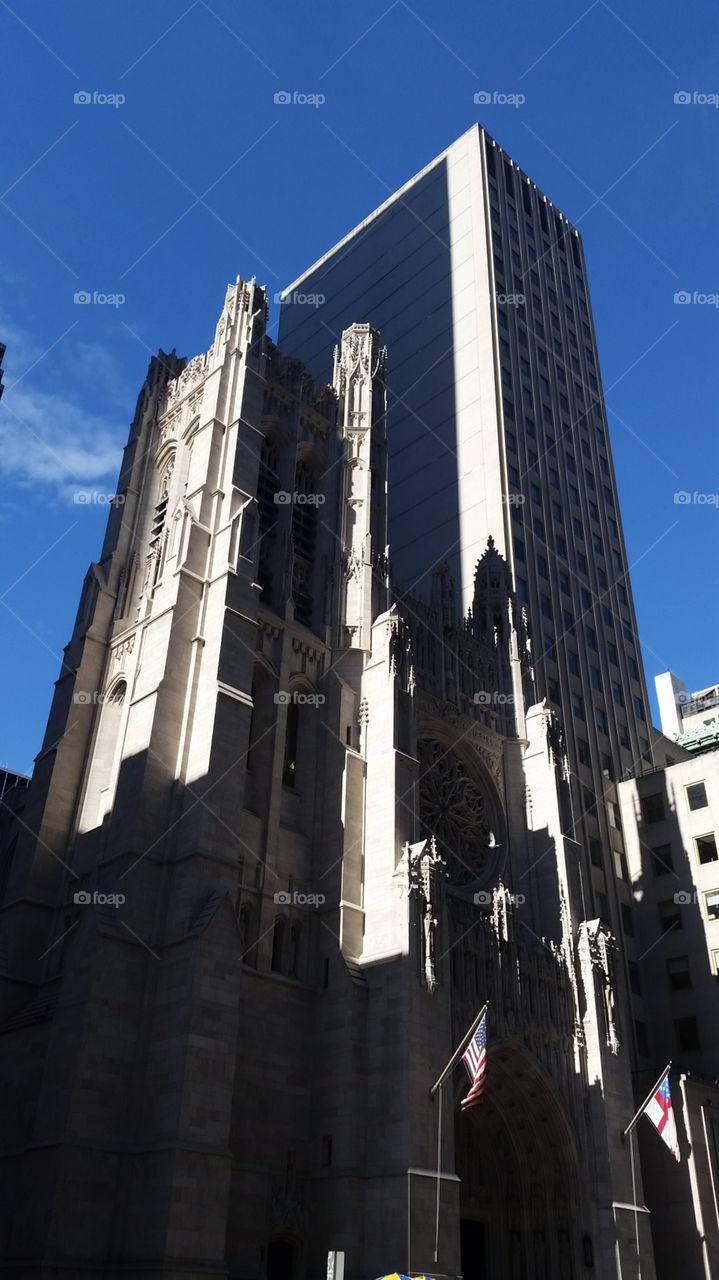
(661, 1113)
(475, 1060)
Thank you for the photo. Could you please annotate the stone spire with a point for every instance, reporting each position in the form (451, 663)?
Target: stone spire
(358, 381)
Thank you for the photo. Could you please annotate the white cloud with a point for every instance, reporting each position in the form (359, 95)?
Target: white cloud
(52, 437)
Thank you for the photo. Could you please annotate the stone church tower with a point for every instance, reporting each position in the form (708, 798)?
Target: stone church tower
(291, 825)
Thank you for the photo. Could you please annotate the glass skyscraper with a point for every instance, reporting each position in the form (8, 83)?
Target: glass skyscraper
(497, 427)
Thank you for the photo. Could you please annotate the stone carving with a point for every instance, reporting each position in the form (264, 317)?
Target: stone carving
(425, 866)
(177, 388)
(123, 648)
(400, 651)
(168, 426)
(352, 564)
(599, 945)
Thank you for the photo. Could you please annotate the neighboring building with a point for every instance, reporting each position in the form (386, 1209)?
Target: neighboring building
(691, 719)
(289, 829)
(9, 780)
(670, 818)
(497, 427)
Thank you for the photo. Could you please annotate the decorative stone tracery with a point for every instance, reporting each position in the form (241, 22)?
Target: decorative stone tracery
(456, 812)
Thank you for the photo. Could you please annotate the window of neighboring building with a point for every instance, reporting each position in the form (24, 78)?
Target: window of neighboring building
(686, 1031)
(652, 807)
(578, 706)
(641, 1034)
(627, 920)
(573, 663)
(670, 915)
(711, 901)
(600, 716)
(662, 861)
(595, 851)
(715, 963)
(696, 795)
(706, 847)
(595, 676)
(635, 982)
(678, 973)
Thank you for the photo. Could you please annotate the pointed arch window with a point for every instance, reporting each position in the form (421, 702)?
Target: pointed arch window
(159, 521)
(304, 541)
(268, 486)
(278, 945)
(105, 762)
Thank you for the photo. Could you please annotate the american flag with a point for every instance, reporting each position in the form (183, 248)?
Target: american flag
(475, 1060)
(661, 1113)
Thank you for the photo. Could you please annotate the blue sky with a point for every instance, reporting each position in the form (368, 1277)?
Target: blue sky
(199, 175)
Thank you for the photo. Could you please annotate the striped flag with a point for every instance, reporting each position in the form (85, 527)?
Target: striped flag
(475, 1060)
(659, 1110)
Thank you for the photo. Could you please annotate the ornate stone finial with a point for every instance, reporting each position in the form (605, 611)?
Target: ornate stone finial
(599, 946)
(425, 866)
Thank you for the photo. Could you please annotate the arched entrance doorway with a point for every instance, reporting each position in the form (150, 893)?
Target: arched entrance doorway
(517, 1164)
(280, 1260)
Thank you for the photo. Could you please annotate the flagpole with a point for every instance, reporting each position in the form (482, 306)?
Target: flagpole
(458, 1052)
(636, 1210)
(648, 1098)
(439, 1175)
